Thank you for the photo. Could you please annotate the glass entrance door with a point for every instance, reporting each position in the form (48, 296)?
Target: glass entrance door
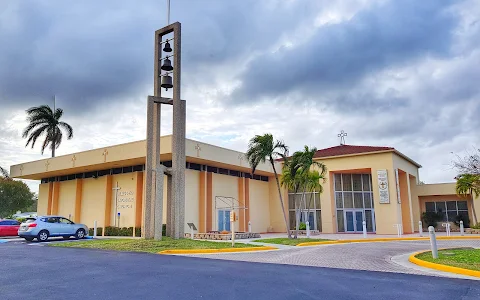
(353, 220)
(223, 220)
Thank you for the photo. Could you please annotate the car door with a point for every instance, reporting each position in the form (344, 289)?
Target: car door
(67, 226)
(53, 226)
(3, 228)
(13, 228)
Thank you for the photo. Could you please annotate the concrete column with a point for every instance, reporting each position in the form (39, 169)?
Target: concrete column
(170, 209)
(153, 158)
(159, 201)
(178, 166)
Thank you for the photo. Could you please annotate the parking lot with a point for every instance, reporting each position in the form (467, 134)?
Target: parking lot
(46, 272)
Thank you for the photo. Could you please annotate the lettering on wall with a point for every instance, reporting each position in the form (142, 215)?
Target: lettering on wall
(383, 186)
(125, 199)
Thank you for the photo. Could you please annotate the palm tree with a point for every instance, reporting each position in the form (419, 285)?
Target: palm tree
(469, 184)
(306, 163)
(313, 185)
(292, 181)
(43, 120)
(262, 148)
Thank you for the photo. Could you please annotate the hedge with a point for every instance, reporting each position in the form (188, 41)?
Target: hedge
(121, 231)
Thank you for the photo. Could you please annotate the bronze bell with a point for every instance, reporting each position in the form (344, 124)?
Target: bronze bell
(167, 47)
(167, 65)
(167, 82)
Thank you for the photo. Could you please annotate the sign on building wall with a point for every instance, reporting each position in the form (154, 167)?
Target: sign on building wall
(383, 186)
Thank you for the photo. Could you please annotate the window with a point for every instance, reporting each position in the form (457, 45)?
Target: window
(448, 209)
(52, 220)
(310, 209)
(65, 221)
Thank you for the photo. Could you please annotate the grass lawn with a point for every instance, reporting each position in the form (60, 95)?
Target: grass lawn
(290, 242)
(152, 246)
(461, 258)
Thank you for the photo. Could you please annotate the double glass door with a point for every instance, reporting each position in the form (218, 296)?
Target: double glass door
(354, 220)
(223, 220)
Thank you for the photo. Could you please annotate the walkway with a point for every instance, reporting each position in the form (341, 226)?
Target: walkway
(356, 256)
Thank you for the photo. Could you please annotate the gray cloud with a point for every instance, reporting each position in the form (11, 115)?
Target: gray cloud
(339, 55)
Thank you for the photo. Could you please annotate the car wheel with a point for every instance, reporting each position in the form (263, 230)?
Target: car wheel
(66, 237)
(42, 236)
(28, 239)
(80, 234)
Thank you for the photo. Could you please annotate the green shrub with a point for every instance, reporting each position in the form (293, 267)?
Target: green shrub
(477, 226)
(465, 219)
(431, 218)
(99, 231)
(302, 226)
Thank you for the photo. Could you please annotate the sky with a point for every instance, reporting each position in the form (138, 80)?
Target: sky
(403, 74)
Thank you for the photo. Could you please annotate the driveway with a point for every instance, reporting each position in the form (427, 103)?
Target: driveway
(40, 272)
(357, 256)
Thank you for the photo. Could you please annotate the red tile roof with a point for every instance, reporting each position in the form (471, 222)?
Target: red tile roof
(348, 150)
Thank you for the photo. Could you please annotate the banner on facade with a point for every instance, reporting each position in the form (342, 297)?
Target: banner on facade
(383, 186)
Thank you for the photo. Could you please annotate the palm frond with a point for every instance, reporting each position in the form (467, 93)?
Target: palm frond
(4, 173)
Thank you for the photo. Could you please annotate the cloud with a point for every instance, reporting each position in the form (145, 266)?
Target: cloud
(390, 73)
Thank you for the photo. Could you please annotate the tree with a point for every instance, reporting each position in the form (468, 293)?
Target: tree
(292, 180)
(469, 164)
(469, 185)
(43, 120)
(262, 148)
(14, 195)
(298, 175)
(4, 174)
(313, 185)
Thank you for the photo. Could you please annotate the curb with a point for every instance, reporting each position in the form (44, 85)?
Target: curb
(388, 240)
(440, 267)
(213, 251)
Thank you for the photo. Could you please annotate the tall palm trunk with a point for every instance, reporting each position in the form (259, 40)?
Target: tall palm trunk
(473, 208)
(287, 224)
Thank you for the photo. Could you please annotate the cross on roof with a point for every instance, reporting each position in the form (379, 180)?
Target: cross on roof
(342, 136)
(105, 153)
(198, 148)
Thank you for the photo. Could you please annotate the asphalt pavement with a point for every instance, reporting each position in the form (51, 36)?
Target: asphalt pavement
(32, 271)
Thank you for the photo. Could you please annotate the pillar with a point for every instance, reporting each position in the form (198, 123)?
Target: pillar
(78, 200)
(209, 201)
(50, 198)
(202, 214)
(108, 203)
(247, 201)
(56, 193)
(241, 200)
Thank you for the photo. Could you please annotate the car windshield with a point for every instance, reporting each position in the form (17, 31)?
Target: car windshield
(29, 220)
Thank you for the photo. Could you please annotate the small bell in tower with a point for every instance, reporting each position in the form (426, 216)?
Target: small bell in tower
(167, 65)
(167, 47)
(167, 82)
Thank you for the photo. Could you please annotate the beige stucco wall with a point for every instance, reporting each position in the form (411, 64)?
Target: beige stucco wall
(277, 221)
(192, 186)
(259, 205)
(93, 201)
(126, 196)
(386, 215)
(42, 199)
(66, 199)
(224, 186)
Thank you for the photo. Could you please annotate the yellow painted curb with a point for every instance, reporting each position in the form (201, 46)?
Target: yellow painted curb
(211, 251)
(441, 267)
(387, 240)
